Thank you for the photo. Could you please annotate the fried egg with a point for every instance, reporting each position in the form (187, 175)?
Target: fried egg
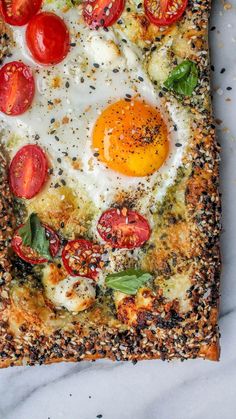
(106, 130)
(98, 108)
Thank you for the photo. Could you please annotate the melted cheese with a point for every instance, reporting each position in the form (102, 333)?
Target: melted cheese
(73, 293)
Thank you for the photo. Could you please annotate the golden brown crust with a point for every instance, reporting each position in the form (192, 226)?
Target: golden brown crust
(186, 244)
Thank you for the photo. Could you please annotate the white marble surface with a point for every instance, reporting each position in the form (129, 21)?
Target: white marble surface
(153, 389)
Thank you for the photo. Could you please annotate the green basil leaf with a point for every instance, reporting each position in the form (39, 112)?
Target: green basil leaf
(128, 281)
(25, 233)
(33, 234)
(183, 79)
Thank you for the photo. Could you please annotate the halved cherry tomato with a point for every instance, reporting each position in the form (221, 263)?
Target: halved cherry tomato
(48, 38)
(123, 228)
(17, 88)
(82, 258)
(164, 12)
(19, 12)
(31, 256)
(28, 171)
(105, 13)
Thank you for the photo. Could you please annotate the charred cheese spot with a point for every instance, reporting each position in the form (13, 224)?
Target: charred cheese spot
(131, 138)
(130, 307)
(140, 30)
(73, 293)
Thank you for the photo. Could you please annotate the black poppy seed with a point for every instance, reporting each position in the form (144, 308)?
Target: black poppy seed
(96, 154)
(124, 40)
(52, 120)
(81, 79)
(212, 68)
(139, 6)
(160, 94)
(60, 172)
(175, 127)
(62, 224)
(115, 70)
(128, 95)
(178, 145)
(119, 22)
(73, 44)
(74, 159)
(92, 87)
(128, 9)
(153, 48)
(96, 65)
(105, 29)
(65, 153)
(140, 78)
(67, 84)
(228, 88)
(50, 102)
(56, 185)
(212, 28)
(222, 70)
(99, 416)
(57, 138)
(59, 160)
(50, 171)
(63, 182)
(36, 137)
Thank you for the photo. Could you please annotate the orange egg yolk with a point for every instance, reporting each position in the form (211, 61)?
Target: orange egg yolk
(131, 138)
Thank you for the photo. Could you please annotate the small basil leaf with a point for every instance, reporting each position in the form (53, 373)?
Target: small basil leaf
(183, 79)
(128, 281)
(25, 233)
(33, 234)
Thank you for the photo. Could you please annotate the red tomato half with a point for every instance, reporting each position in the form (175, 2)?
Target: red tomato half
(17, 88)
(82, 258)
(48, 38)
(123, 228)
(28, 171)
(102, 12)
(30, 255)
(164, 12)
(19, 12)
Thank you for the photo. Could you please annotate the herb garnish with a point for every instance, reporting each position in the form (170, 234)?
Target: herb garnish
(33, 234)
(128, 281)
(183, 79)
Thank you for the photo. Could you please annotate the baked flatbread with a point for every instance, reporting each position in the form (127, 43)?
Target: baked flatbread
(109, 201)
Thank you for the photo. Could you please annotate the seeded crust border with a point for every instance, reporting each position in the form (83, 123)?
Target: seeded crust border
(199, 335)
